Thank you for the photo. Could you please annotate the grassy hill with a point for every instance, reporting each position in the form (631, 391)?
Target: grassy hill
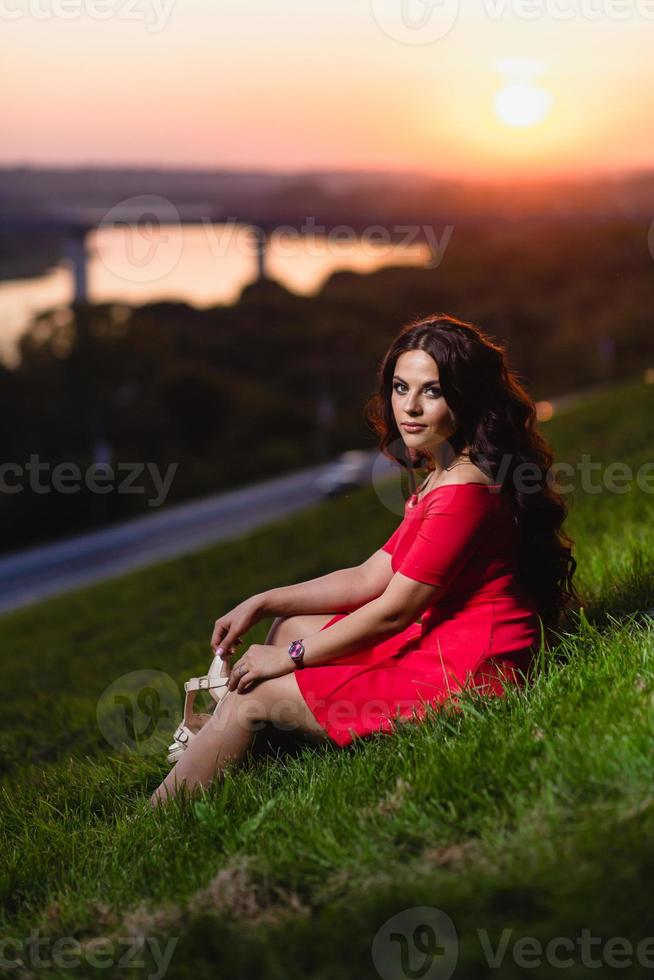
(487, 831)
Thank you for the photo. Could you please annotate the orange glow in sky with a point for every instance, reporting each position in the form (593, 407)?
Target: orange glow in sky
(460, 89)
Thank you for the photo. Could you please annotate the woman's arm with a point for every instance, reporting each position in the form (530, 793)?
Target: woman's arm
(387, 615)
(375, 621)
(340, 591)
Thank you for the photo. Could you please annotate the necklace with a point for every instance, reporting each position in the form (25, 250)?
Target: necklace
(413, 499)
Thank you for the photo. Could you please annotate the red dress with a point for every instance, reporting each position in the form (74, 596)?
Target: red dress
(462, 537)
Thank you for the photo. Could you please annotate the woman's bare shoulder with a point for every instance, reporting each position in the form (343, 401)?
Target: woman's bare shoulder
(465, 473)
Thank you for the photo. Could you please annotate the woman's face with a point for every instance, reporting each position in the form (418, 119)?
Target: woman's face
(416, 397)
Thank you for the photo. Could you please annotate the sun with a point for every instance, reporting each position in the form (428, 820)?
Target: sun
(520, 102)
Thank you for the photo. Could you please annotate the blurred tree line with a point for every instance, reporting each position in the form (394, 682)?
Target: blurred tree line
(236, 393)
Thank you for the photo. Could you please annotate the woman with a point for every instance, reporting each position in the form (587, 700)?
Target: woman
(456, 596)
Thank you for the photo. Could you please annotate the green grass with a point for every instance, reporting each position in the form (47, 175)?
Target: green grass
(532, 814)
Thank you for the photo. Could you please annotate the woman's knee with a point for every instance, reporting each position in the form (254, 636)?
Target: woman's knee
(285, 629)
(273, 629)
(242, 709)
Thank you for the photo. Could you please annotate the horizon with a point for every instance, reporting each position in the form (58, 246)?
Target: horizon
(624, 173)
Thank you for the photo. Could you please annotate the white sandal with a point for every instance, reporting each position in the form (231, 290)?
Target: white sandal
(216, 682)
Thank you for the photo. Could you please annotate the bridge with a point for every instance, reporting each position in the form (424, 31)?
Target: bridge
(74, 232)
(73, 226)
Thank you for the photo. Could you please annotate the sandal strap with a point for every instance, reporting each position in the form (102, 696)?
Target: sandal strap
(203, 683)
(221, 685)
(175, 752)
(183, 735)
(189, 701)
(197, 683)
(218, 679)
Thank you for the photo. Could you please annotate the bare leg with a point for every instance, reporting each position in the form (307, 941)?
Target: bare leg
(284, 630)
(230, 731)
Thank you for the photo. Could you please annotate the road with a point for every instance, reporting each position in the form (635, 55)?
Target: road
(48, 570)
(26, 577)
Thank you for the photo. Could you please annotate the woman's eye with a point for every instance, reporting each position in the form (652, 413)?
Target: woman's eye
(432, 391)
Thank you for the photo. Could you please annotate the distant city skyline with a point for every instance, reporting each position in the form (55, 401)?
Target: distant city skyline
(472, 90)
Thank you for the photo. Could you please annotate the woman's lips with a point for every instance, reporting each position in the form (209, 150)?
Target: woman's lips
(409, 427)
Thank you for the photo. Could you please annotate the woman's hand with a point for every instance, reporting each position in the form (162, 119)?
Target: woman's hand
(230, 627)
(259, 662)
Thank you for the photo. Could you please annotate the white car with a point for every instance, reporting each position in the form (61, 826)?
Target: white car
(348, 472)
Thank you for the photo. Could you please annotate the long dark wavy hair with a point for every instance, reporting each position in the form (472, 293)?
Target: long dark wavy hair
(496, 418)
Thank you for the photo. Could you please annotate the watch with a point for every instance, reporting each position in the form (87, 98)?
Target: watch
(296, 653)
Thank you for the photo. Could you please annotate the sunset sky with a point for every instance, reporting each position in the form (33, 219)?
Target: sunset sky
(491, 88)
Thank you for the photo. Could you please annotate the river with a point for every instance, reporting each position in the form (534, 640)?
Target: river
(201, 264)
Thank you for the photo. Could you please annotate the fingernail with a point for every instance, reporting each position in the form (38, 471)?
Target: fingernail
(219, 652)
